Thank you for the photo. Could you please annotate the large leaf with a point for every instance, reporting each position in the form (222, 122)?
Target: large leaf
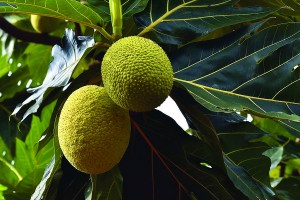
(129, 7)
(38, 58)
(242, 180)
(244, 163)
(288, 7)
(14, 82)
(23, 172)
(178, 22)
(9, 175)
(65, 59)
(163, 162)
(106, 186)
(288, 189)
(245, 73)
(64, 9)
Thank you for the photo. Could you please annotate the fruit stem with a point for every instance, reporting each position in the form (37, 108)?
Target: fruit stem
(115, 7)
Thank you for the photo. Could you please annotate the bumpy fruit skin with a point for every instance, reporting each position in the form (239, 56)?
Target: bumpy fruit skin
(93, 132)
(43, 24)
(137, 73)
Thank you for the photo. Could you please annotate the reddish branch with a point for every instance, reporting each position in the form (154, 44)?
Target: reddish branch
(26, 35)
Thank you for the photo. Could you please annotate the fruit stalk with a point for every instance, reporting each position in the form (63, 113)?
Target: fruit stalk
(115, 7)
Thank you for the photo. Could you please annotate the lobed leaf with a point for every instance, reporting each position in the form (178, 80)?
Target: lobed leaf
(245, 165)
(64, 9)
(233, 73)
(162, 162)
(178, 22)
(129, 8)
(106, 186)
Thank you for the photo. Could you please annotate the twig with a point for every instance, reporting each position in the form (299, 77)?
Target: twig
(28, 36)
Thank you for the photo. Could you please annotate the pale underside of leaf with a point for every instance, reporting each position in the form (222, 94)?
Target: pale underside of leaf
(64, 61)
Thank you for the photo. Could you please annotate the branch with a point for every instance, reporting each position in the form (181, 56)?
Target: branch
(26, 35)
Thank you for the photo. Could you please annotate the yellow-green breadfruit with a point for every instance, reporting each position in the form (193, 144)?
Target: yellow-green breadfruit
(42, 24)
(93, 131)
(137, 73)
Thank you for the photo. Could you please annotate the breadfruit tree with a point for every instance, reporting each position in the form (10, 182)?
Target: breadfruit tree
(85, 87)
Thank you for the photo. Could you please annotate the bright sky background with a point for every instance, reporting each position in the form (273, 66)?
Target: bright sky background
(170, 108)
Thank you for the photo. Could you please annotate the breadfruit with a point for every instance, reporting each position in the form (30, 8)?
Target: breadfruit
(93, 132)
(43, 24)
(137, 73)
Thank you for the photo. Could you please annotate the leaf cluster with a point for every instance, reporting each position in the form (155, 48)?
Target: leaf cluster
(236, 80)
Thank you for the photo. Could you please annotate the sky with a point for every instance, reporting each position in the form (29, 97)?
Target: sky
(170, 108)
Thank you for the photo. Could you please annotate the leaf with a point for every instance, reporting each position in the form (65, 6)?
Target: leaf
(275, 154)
(65, 59)
(234, 74)
(60, 179)
(25, 187)
(273, 127)
(244, 163)
(159, 164)
(93, 74)
(48, 176)
(2, 188)
(9, 125)
(288, 7)
(243, 181)
(38, 126)
(201, 127)
(38, 58)
(64, 9)
(107, 185)
(178, 22)
(14, 82)
(236, 140)
(52, 175)
(288, 189)
(9, 175)
(129, 8)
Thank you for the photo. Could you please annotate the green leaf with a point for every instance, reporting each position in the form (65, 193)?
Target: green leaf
(242, 180)
(38, 126)
(5, 151)
(14, 82)
(26, 186)
(202, 128)
(47, 188)
(246, 166)
(163, 162)
(2, 188)
(51, 177)
(38, 58)
(275, 154)
(106, 186)
(178, 22)
(129, 8)
(288, 189)
(287, 7)
(132, 7)
(234, 73)
(64, 9)
(273, 127)
(244, 153)
(24, 160)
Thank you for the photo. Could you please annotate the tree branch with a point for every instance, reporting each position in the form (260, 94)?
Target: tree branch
(28, 36)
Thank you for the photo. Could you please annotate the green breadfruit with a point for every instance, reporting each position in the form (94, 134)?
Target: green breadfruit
(93, 131)
(42, 24)
(137, 73)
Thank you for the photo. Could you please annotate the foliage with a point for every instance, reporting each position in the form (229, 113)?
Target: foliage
(236, 79)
